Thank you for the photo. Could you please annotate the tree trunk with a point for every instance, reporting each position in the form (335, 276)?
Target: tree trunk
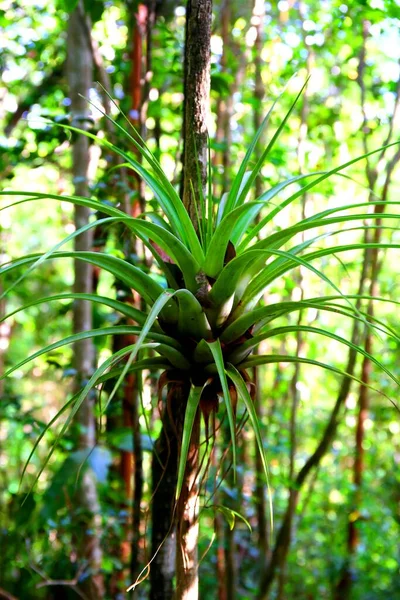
(196, 110)
(164, 477)
(80, 76)
(196, 104)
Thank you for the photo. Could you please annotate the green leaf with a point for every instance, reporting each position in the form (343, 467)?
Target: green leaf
(237, 183)
(152, 364)
(240, 229)
(79, 200)
(121, 307)
(172, 246)
(234, 271)
(76, 402)
(164, 192)
(127, 273)
(259, 284)
(255, 172)
(326, 175)
(279, 238)
(253, 342)
(153, 314)
(214, 260)
(243, 393)
(231, 515)
(190, 415)
(255, 361)
(76, 337)
(264, 314)
(41, 436)
(216, 350)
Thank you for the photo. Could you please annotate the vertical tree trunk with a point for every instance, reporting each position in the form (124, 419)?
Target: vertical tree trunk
(164, 478)
(196, 110)
(80, 76)
(196, 104)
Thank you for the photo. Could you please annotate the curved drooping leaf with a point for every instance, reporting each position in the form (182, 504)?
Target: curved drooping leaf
(282, 264)
(91, 333)
(245, 220)
(130, 275)
(96, 205)
(231, 515)
(259, 284)
(253, 342)
(158, 305)
(125, 309)
(243, 393)
(355, 246)
(216, 351)
(163, 190)
(190, 415)
(154, 363)
(171, 246)
(258, 360)
(48, 254)
(279, 238)
(75, 403)
(262, 315)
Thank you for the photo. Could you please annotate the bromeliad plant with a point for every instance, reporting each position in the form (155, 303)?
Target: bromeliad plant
(205, 316)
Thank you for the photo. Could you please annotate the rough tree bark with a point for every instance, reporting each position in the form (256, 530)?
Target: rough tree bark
(197, 100)
(194, 182)
(196, 109)
(80, 77)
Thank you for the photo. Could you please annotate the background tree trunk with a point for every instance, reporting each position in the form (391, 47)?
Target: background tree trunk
(80, 77)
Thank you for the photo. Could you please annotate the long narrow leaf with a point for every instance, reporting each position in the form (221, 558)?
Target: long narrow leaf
(91, 333)
(130, 275)
(216, 351)
(237, 182)
(145, 330)
(125, 309)
(243, 393)
(253, 342)
(254, 361)
(323, 177)
(190, 415)
(255, 172)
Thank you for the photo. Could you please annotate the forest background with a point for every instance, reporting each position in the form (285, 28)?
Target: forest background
(343, 537)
